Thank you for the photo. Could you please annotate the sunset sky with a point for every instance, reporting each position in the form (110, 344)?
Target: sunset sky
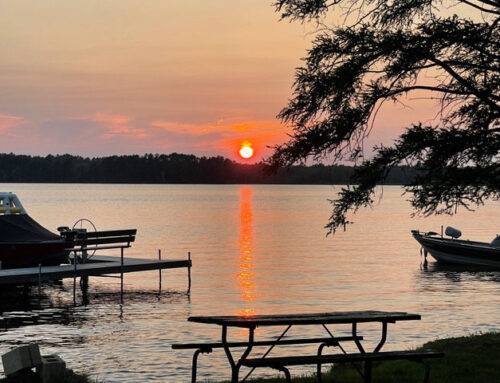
(97, 78)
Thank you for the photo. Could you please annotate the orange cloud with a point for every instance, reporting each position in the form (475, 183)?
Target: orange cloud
(226, 138)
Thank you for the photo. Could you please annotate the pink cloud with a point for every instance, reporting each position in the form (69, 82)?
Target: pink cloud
(188, 129)
(105, 133)
(7, 122)
(226, 129)
(116, 125)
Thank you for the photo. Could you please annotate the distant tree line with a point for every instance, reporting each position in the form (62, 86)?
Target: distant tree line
(171, 169)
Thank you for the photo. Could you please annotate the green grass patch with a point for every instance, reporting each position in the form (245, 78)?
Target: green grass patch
(468, 359)
(32, 377)
(72, 377)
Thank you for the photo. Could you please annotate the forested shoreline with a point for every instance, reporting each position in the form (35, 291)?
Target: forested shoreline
(171, 169)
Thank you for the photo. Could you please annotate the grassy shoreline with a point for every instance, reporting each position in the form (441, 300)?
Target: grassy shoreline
(468, 359)
(32, 377)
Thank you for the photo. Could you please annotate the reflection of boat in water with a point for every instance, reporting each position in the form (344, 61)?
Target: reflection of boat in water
(23, 241)
(456, 251)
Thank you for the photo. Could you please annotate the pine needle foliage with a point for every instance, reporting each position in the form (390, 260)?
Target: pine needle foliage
(390, 51)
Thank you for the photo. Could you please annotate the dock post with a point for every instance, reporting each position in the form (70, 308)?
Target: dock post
(84, 280)
(74, 278)
(39, 279)
(159, 272)
(121, 274)
(189, 273)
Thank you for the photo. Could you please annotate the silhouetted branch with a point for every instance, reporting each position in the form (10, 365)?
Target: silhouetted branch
(383, 52)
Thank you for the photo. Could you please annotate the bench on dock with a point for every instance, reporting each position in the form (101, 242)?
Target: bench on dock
(207, 348)
(88, 238)
(94, 240)
(280, 363)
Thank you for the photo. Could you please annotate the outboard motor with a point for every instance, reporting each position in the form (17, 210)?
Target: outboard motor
(452, 232)
(496, 242)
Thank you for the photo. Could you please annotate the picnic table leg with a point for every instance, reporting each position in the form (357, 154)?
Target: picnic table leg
(193, 368)
(205, 350)
(355, 336)
(427, 370)
(383, 338)
(367, 376)
(318, 368)
(368, 371)
(235, 367)
(229, 355)
(267, 352)
(286, 372)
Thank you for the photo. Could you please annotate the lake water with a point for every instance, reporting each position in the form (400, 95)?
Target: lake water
(255, 250)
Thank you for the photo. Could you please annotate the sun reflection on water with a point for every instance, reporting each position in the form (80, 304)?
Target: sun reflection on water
(246, 258)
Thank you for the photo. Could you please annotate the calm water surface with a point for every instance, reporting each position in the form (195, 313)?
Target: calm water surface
(255, 250)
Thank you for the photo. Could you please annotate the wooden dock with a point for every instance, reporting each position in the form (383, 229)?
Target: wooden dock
(98, 265)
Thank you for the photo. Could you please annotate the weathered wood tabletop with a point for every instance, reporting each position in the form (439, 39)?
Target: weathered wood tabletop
(340, 317)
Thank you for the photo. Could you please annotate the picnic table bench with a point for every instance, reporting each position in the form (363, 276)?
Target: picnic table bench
(353, 318)
(279, 363)
(207, 348)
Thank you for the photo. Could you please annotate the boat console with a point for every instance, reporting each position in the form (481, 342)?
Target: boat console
(10, 204)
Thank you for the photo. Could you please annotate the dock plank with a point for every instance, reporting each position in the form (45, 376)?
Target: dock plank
(102, 265)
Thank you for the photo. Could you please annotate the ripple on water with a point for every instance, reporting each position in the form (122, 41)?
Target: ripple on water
(258, 249)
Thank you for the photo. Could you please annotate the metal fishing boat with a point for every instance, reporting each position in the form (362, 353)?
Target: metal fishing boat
(23, 241)
(453, 250)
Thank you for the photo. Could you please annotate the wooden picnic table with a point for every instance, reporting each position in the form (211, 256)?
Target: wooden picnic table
(352, 318)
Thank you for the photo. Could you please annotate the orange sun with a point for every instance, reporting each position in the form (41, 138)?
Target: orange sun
(246, 150)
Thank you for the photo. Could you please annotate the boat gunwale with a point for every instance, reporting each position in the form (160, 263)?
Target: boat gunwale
(456, 242)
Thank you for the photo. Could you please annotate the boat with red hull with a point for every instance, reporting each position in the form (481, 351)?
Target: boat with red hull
(23, 241)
